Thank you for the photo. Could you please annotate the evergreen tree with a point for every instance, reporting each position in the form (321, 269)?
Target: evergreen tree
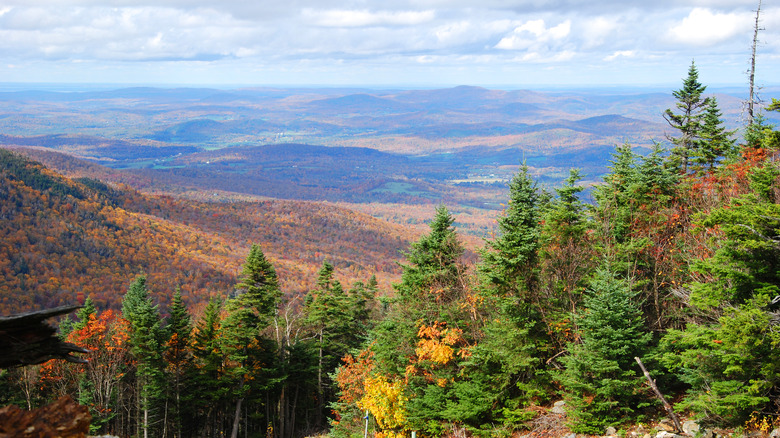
(434, 267)
(84, 313)
(362, 299)
(732, 365)
(566, 251)
(688, 120)
(178, 357)
(259, 287)
(248, 315)
(601, 378)
(714, 141)
(652, 253)
(510, 262)
(729, 354)
(614, 207)
(208, 374)
(147, 342)
(327, 315)
(428, 291)
(513, 334)
(747, 263)
(417, 345)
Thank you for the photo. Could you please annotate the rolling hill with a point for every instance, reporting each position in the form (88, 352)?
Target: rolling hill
(66, 238)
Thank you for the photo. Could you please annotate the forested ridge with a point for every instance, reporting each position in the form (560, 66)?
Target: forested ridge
(66, 239)
(676, 262)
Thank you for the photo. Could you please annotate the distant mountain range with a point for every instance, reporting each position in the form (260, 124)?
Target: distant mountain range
(352, 145)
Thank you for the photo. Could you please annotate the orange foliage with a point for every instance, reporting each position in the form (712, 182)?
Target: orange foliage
(57, 247)
(352, 375)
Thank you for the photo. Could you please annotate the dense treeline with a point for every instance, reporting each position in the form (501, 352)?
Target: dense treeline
(253, 362)
(676, 262)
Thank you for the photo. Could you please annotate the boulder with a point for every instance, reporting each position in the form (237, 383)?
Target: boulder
(666, 426)
(558, 407)
(690, 427)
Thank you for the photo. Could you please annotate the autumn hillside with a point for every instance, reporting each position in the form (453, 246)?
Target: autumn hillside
(62, 239)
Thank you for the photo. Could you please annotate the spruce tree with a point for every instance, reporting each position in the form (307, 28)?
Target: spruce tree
(513, 333)
(510, 262)
(248, 315)
(147, 342)
(688, 119)
(178, 357)
(327, 316)
(601, 377)
(208, 375)
(566, 251)
(614, 207)
(715, 141)
(434, 265)
(429, 314)
(84, 313)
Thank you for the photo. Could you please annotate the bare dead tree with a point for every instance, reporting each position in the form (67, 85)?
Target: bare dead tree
(752, 72)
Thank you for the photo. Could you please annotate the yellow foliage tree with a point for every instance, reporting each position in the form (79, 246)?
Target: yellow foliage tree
(385, 400)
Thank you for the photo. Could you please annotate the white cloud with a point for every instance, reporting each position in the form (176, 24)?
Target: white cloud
(703, 27)
(532, 34)
(363, 18)
(620, 54)
(319, 37)
(597, 30)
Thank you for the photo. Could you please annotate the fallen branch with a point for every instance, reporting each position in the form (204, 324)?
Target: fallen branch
(660, 396)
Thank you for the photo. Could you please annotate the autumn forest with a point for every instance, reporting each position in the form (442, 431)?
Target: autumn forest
(286, 318)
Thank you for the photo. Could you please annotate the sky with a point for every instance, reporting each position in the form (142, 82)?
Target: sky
(387, 43)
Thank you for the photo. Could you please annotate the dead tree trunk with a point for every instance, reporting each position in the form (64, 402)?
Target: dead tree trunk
(660, 396)
(752, 72)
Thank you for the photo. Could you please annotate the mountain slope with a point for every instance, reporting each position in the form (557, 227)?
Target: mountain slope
(63, 239)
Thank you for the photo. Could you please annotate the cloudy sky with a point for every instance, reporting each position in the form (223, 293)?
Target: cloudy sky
(493, 43)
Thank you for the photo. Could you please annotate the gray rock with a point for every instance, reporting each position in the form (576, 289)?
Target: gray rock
(690, 427)
(775, 433)
(571, 435)
(611, 431)
(705, 433)
(558, 407)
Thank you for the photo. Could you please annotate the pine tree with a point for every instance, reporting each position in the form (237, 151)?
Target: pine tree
(688, 121)
(614, 207)
(510, 262)
(208, 376)
(513, 333)
(248, 315)
(178, 357)
(434, 266)
(147, 342)
(601, 377)
(566, 251)
(714, 140)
